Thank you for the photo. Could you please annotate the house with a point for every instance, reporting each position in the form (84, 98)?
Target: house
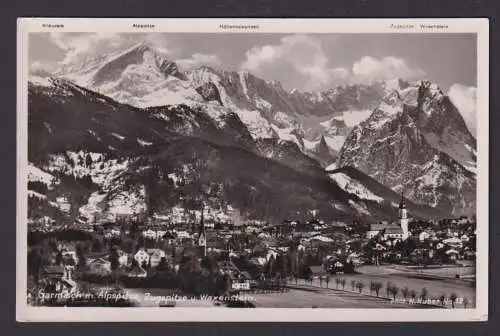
(452, 254)
(355, 258)
(271, 253)
(69, 268)
(142, 257)
(338, 267)
(53, 272)
(183, 234)
(137, 272)
(155, 256)
(453, 242)
(123, 258)
(149, 234)
(423, 236)
(100, 266)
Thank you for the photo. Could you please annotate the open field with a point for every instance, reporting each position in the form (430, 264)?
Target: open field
(435, 287)
(303, 297)
(440, 271)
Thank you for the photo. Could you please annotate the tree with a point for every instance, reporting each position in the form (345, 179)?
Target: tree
(162, 265)
(442, 299)
(394, 291)
(413, 294)
(113, 258)
(360, 286)
(453, 299)
(388, 289)
(405, 291)
(424, 293)
(376, 287)
(59, 258)
(80, 254)
(343, 282)
(270, 266)
(208, 264)
(35, 263)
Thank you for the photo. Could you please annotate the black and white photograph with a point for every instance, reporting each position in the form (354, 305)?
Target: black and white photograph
(312, 171)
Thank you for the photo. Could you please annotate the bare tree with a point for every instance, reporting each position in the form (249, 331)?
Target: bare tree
(442, 299)
(360, 286)
(453, 299)
(405, 291)
(424, 293)
(388, 289)
(394, 291)
(376, 287)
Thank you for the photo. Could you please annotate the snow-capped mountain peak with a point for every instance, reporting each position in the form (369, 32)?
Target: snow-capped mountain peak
(414, 125)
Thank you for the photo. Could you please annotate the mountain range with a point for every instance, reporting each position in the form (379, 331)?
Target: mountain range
(111, 133)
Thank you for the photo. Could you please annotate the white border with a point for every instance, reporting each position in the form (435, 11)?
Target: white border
(331, 26)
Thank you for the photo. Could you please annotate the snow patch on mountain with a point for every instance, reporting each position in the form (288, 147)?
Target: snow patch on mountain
(128, 202)
(353, 117)
(101, 170)
(310, 145)
(32, 193)
(335, 142)
(144, 142)
(36, 174)
(354, 187)
(118, 136)
(258, 126)
(286, 134)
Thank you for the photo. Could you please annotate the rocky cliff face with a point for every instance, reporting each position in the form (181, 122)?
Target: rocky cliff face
(417, 141)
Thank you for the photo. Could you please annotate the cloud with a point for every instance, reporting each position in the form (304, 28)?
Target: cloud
(199, 59)
(78, 44)
(299, 56)
(302, 59)
(464, 98)
(369, 69)
(40, 69)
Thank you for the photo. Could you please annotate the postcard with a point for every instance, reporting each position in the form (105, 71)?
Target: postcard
(297, 169)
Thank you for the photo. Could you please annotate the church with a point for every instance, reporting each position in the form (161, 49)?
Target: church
(397, 231)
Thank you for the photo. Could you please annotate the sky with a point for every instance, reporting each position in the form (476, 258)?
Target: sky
(308, 62)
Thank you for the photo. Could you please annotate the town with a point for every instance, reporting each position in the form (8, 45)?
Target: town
(408, 261)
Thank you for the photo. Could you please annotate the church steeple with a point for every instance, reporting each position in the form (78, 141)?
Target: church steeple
(403, 218)
(402, 203)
